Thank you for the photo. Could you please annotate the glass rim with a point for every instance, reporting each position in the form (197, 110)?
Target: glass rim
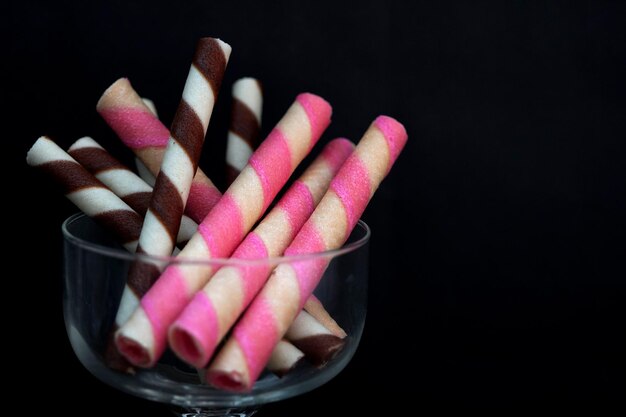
(125, 255)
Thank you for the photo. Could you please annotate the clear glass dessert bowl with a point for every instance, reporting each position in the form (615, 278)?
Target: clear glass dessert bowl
(95, 273)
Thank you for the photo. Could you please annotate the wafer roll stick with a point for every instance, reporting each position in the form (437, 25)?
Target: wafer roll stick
(122, 181)
(180, 161)
(134, 192)
(86, 191)
(125, 112)
(242, 358)
(213, 310)
(143, 338)
(245, 125)
(99, 203)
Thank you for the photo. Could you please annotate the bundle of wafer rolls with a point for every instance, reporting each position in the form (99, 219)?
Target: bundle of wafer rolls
(235, 320)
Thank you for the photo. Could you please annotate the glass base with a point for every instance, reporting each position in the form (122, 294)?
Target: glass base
(205, 412)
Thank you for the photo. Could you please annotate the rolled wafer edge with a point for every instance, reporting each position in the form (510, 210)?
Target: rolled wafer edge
(243, 356)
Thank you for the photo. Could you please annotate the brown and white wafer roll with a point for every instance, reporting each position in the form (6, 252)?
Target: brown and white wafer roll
(245, 125)
(122, 181)
(181, 158)
(104, 206)
(86, 191)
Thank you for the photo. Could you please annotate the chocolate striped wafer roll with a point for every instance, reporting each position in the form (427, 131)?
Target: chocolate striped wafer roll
(245, 125)
(98, 202)
(122, 181)
(125, 112)
(244, 355)
(105, 207)
(203, 323)
(86, 191)
(143, 338)
(180, 161)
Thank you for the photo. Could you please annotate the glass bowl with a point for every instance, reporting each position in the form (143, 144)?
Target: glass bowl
(95, 271)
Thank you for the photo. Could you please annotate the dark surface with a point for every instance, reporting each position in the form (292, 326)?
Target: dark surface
(498, 249)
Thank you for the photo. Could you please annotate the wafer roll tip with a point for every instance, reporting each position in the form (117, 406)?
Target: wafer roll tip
(395, 134)
(36, 153)
(119, 87)
(207, 39)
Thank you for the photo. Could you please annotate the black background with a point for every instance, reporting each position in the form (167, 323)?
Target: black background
(498, 247)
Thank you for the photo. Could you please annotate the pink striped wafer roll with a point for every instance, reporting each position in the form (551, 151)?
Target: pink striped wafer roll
(122, 181)
(125, 112)
(180, 161)
(86, 191)
(213, 310)
(245, 125)
(241, 360)
(143, 338)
